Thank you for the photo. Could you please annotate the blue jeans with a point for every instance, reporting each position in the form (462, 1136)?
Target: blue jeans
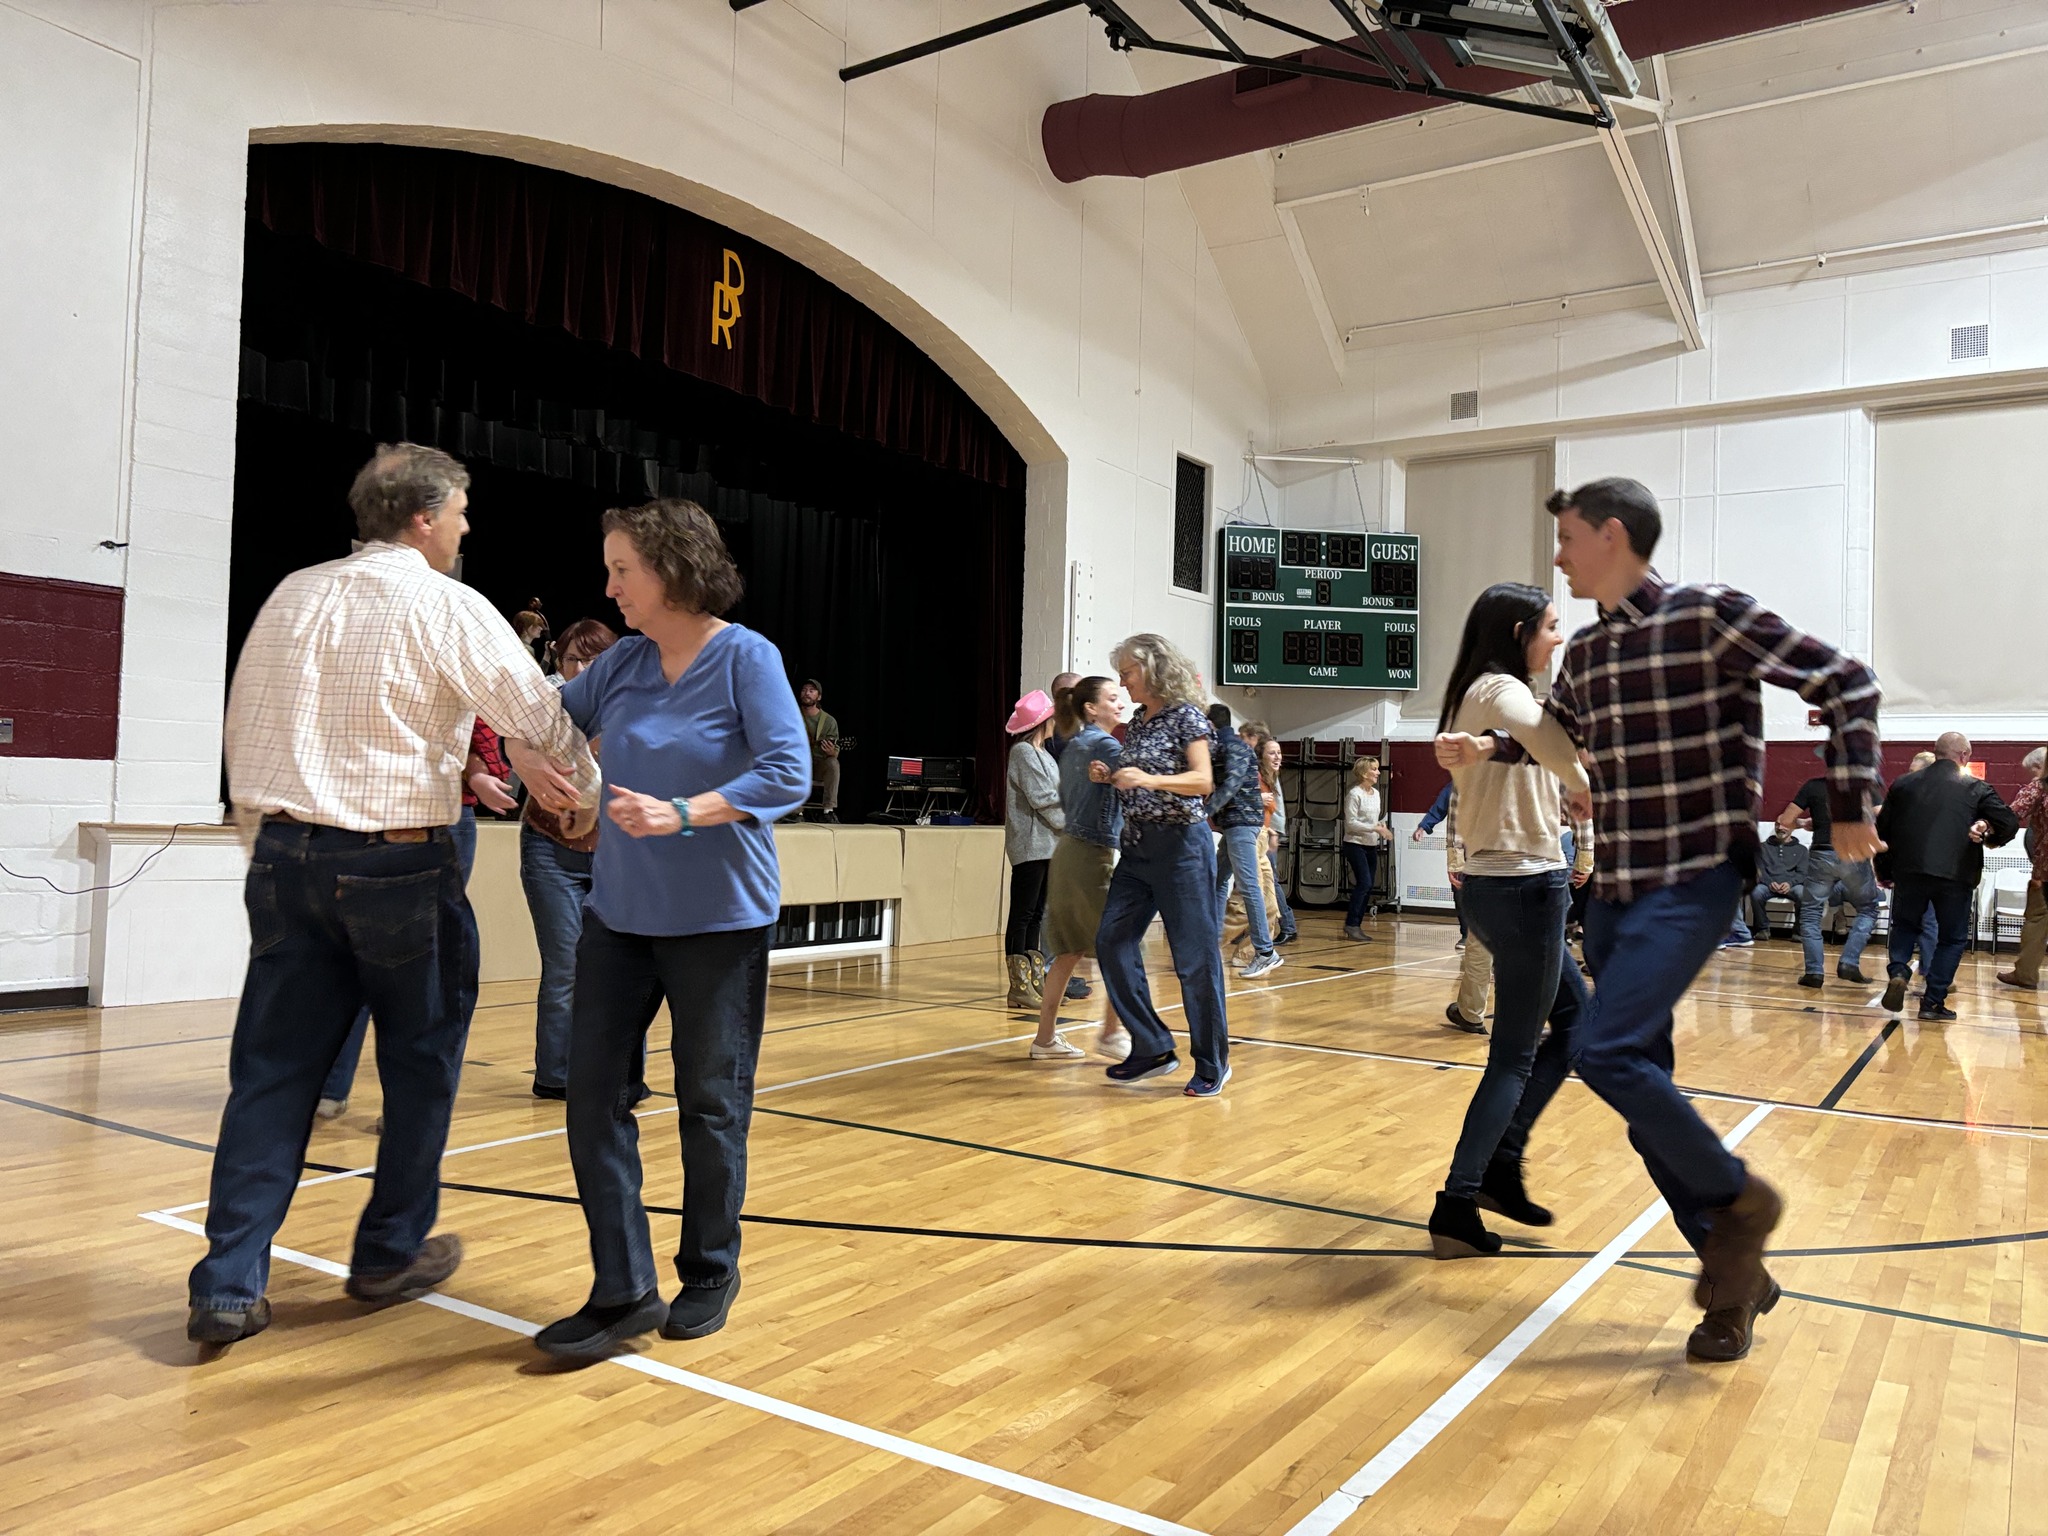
(1364, 863)
(1170, 871)
(1644, 954)
(1520, 919)
(716, 985)
(337, 919)
(1856, 885)
(1913, 898)
(341, 1077)
(1286, 913)
(1241, 850)
(556, 880)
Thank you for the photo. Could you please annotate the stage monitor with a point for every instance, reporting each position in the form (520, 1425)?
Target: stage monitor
(929, 773)
(1319, 608)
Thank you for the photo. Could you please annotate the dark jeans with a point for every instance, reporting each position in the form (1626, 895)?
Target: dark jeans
(1027, 906)
(1170, 871)
(556, 880)
(341, 1077)
(1644, 954)
(1286, 913)
(1364, 863)
(1240, 862)
(1520, 919)
(1912, 898)
(338, 919)
(716, 985)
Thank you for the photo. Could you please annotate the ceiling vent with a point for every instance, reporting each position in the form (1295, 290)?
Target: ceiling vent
(1465, 405)
(1967, 341)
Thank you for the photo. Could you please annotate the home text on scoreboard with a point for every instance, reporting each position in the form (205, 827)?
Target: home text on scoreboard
(1316, 608)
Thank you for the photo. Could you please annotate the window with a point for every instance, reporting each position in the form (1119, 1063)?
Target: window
(1190, 522)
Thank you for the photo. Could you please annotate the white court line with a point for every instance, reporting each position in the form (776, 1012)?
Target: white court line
(645, 1114)
(795, 1413)
(1310, 981)
(1406, 1446)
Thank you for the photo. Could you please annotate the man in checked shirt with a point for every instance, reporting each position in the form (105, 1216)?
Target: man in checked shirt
(348, 726)
(1663, 694)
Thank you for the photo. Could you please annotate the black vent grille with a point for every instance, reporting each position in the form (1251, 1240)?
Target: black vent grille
(1190, 523)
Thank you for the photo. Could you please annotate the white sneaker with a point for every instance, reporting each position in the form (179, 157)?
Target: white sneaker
(1059, 1050)
(1115, 1041)
(1262, 965)
(331, 1109)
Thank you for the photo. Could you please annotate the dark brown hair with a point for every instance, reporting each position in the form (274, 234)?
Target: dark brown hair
(584, 641)
(1599, 501)
(682, 544)
(1068, 703)
(401, 481)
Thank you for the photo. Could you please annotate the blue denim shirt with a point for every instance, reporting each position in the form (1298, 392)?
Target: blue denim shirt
(1095, 812)
(1235, 802)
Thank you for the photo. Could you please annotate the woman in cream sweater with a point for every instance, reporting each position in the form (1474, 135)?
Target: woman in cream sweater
(1514, 770)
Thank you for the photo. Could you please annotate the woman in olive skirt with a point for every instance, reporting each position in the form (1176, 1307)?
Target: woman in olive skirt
(1078, 880)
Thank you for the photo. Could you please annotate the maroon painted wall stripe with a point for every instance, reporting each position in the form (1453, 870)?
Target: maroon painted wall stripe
(60, 667)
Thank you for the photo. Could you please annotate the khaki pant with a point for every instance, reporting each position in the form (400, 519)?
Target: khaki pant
(2033, 935)
(1475, 978)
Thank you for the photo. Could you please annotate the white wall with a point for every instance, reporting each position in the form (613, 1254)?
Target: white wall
(1089, 321)
(1761, 447)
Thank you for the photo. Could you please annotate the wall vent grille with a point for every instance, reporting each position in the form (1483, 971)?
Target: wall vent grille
(1966, 341)
(1465, 405)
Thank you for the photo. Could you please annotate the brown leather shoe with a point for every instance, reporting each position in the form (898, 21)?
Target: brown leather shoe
(1726, 1333)
(2012, 979)
(437, 1259)
(1732, 1260)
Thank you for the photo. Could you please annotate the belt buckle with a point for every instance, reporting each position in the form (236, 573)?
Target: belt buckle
(406, 835)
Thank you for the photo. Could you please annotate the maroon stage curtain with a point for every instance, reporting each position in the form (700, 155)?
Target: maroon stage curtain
(633, 273)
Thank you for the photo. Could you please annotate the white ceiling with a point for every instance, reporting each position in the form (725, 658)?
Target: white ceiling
(1885, 125)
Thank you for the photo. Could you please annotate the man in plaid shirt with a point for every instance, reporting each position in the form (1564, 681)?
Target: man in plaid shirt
(1663, 695)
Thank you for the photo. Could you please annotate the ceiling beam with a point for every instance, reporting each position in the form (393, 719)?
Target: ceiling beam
(1678, 291)
(1674, 162)
(1318, 300)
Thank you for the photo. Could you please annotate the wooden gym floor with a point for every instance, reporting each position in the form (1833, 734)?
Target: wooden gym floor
(988, 1295)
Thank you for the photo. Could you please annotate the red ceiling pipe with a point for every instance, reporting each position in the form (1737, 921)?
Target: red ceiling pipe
(1212, 119)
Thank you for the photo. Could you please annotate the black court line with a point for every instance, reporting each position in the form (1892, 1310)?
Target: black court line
(1848, 1078)
(106, 1125)
(108, 1050)
(1866, 1306)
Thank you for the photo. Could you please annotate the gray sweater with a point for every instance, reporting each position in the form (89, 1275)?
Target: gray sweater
(1033, 820)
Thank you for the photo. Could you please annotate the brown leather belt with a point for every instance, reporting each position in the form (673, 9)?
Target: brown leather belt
(390, 834)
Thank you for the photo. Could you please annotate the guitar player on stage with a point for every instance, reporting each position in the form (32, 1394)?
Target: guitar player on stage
(824, 734)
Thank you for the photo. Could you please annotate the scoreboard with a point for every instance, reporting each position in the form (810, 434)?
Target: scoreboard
(1310, 608)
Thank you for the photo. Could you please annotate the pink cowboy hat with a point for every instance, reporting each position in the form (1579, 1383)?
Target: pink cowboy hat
(1030, 713)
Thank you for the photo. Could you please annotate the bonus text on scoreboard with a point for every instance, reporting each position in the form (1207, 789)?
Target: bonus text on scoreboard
(1310, 608)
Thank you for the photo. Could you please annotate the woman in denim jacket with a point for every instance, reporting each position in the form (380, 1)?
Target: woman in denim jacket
(1078, 881)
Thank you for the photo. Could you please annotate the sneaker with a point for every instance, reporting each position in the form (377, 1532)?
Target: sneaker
(1936, 1011)
(1894, 995)
(1852, 973)
(214, 1325)
(1078, 988)
(1057, 1050)
(1115, 1041)
(556, 1091)
(1459, 945)
(699, 1310)
(1135, 1069)
(331, 1109)
(1263, 965)
(1288, 937)
(438, 1258)
(1813, 979)
(591, 1333)
(1733, 942)
(1458, 1020)
(1206, 1087)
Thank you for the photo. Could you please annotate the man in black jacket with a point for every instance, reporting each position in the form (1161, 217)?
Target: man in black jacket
(1935, 826)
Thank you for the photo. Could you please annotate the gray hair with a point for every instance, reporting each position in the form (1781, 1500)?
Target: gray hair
(1169, 675)
(401, 481)
(2036, 762)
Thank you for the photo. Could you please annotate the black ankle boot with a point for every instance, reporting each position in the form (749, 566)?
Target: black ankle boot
(1500, 1189)
(1456, 1232)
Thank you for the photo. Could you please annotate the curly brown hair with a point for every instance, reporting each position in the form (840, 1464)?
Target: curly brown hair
(682, 544)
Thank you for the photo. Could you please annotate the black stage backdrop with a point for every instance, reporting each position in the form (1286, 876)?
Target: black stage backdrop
(895, 580)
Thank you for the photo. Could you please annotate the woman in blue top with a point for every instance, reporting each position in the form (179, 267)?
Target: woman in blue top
(1168, 867)
(1077, 882)
(704, 748)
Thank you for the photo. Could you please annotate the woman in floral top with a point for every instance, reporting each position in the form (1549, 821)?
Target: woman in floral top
(1168, 868)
